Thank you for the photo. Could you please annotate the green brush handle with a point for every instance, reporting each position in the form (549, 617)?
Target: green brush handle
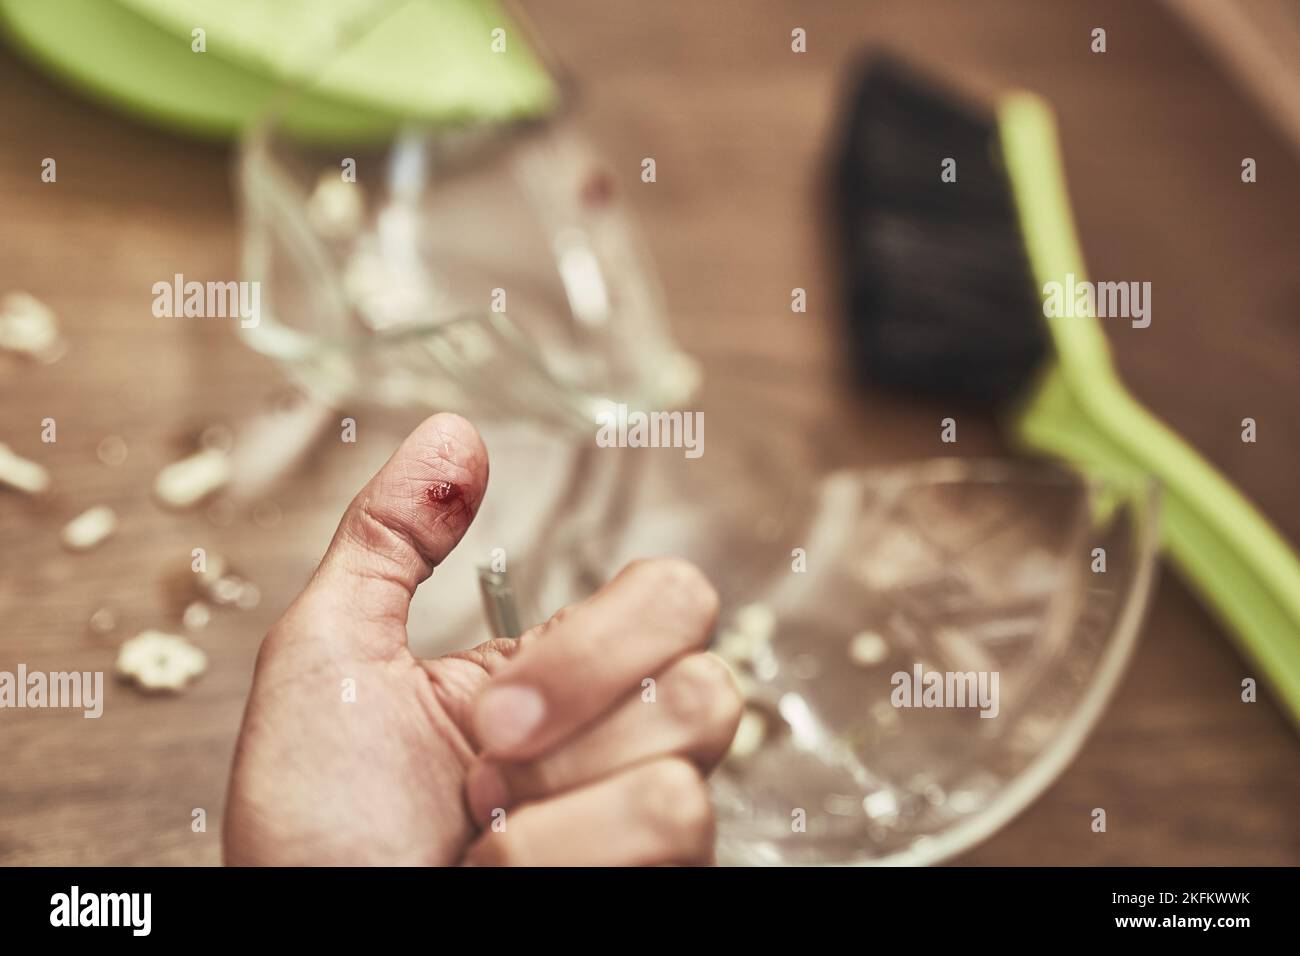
(1051, 423)
(1238, 562)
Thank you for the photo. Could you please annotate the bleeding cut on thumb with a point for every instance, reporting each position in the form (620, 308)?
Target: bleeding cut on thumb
(406, 520)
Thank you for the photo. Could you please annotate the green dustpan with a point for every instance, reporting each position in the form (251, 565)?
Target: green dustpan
(388, 61)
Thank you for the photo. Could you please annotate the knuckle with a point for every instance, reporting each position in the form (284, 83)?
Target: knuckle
(677, 803)
(702, 694)
(374, 524)
(680, 589)
(381, 537)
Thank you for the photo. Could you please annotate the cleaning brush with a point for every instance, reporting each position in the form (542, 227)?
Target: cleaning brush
(944, 289)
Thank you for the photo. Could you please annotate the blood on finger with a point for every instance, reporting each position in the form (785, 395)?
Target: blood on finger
(441, 491)
(445, 495)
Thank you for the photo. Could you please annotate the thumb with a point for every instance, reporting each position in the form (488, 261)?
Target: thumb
(401, 525)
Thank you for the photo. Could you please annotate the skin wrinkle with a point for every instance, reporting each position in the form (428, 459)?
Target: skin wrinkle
(377, 640)
(376, 519)
(407, 503)
(444, 727)
(394, 524)
(266, 803)
(310, 671)
(371, 519)
(397, 522)
(446, 723)
(386, 564)
(455, 695)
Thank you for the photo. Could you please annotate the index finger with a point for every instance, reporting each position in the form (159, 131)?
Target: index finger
(594, 654)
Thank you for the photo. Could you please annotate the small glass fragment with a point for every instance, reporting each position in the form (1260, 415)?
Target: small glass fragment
(90, 528)
(227, 589)
(881, 806)
(28, 326)
(335, 208)
(737, 647)
(868, 649)
(186, 482)
(679, 380)
(750, 734)
(17, 472)
(756, 620)
(765, 665)
(112, 451)
(196, 616)
(103, 620)
(749, 641)
(805, 727)
(162, 662)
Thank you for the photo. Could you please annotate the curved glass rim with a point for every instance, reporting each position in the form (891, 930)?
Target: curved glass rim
(1046, 766)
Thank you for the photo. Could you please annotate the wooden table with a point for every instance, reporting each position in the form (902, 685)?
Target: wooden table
(737, 124)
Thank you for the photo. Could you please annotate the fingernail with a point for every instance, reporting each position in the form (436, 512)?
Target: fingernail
(507, 716)
(485, 791)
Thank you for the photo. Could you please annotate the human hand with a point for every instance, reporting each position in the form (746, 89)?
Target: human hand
(549, 750)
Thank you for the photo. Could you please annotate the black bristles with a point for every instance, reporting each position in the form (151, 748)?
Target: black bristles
(939, 292)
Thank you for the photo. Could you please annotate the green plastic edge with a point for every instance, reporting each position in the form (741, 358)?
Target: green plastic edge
(103, 57)
(509, 85)
(1080, 410)
(132, 63)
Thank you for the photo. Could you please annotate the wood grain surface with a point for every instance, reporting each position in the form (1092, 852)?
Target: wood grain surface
(738, 125)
